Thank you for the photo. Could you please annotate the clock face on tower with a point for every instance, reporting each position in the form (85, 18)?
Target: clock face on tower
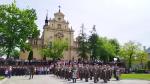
(59, 35)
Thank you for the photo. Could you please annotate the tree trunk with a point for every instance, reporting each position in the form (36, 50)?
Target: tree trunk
(142, 64)
(44, 58)
(8, 53)
(130, 62)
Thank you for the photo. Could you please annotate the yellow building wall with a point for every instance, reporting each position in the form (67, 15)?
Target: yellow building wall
(49, 32)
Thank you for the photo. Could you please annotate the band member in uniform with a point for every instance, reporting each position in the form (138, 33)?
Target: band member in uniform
(69, 73)
(86, 73)
(74, 73)
(81, 71)
(31, 72)
(100, 71)
(116, 72)
(91, 71)
(104, 74)
(109, 71)
(95, 70)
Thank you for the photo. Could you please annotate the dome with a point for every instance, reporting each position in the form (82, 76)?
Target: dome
(59, 14)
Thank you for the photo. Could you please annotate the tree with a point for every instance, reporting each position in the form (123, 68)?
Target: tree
(141, 58)
(15, 53)
(92, 43)
(44, 53)
(116, 44)
(106, 49)
(55, 49)
(128, 52)
(82, 45)
(2, 51)
(16, 26)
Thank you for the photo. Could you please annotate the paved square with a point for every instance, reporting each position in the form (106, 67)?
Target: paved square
(51, 79)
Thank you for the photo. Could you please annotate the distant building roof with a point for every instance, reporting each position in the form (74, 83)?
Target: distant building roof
(148, 50)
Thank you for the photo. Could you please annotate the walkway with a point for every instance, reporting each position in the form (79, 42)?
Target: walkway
(50, 79)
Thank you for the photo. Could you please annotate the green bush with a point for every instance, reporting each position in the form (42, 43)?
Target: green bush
(140, 71)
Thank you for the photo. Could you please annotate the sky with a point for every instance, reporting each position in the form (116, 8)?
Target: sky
(124, 20)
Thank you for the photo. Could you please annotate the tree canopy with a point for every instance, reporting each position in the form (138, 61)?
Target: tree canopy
(106, 49)
(55, 49)
(132, 52)
(16, 26)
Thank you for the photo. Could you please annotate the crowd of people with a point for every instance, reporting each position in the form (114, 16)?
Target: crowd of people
(87, 71)
(68, 70)
(23, 70)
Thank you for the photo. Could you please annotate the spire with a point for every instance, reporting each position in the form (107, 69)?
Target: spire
(59, 7)
(47, 15)
(82, 29)
(94, 29)
(46, 20)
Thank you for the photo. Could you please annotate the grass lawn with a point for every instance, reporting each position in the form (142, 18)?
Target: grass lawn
(1, 77)
(136, 76)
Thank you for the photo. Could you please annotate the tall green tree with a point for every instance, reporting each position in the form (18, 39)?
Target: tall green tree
(82, 45)
(106, 49)
(55, 49)
(116, 44)
(128, 52)
(93, 44)
(44, 53)
(16, 26)
(141, 58)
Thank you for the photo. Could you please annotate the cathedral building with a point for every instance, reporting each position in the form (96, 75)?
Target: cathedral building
(54, 28)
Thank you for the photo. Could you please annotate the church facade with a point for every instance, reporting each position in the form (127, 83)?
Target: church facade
(54, 28)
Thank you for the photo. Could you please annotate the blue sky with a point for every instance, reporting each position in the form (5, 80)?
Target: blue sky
(121, 19)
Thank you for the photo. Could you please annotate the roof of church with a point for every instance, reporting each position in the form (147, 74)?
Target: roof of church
(59, 13)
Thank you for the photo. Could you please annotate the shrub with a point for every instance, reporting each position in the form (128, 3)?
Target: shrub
(140, 71)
